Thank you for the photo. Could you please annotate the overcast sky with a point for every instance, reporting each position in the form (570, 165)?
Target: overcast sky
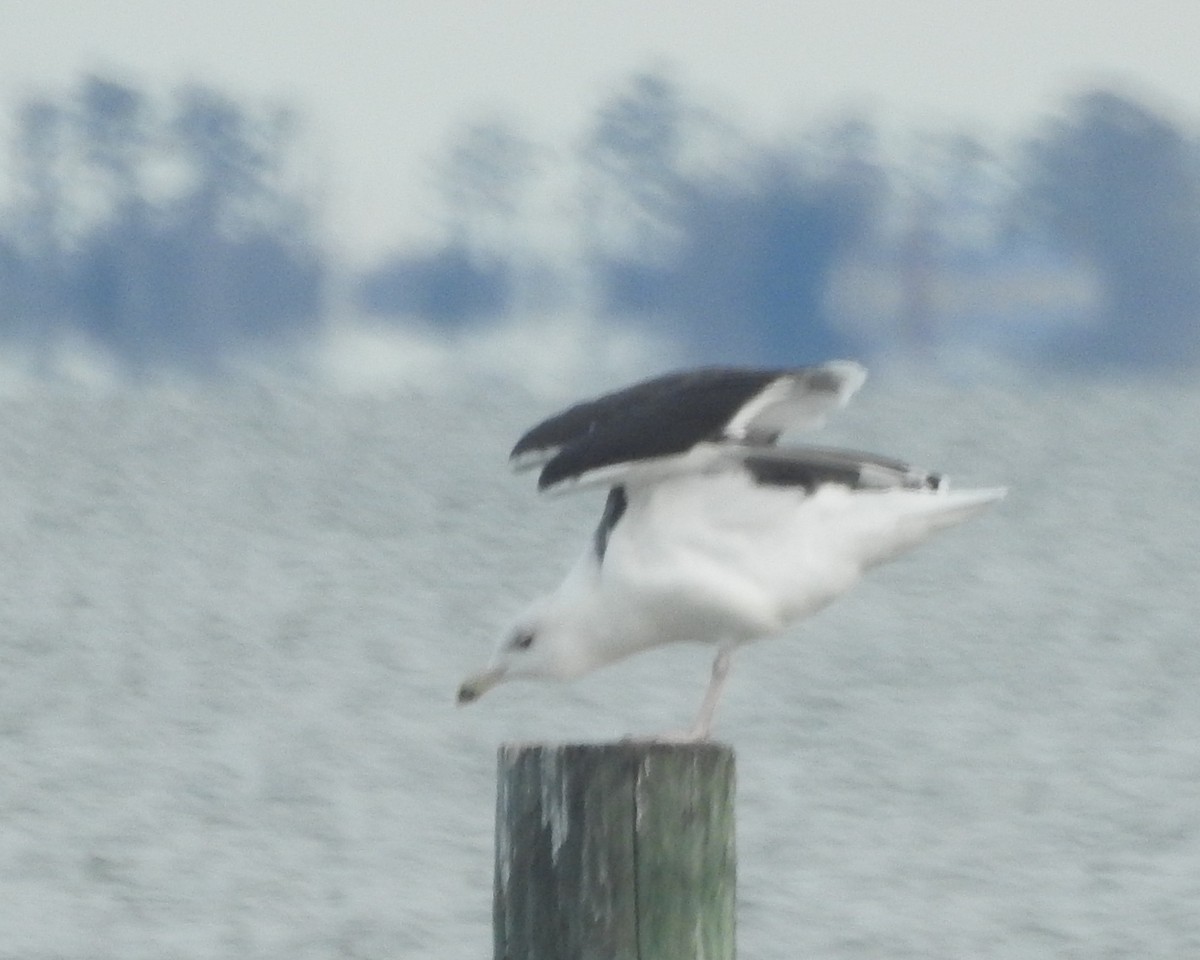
(383, 83)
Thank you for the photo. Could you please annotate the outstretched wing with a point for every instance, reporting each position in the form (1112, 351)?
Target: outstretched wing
(680, 420)
(810, 467)
(801, 468)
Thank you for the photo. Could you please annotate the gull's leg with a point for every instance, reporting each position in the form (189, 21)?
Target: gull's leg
(720, 670)
(701, 728)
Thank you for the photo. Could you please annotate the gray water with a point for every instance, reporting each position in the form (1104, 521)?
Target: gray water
(232, 621)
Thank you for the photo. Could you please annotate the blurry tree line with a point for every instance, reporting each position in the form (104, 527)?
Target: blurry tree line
(1079, 246)
(181, 231)
(164, 232)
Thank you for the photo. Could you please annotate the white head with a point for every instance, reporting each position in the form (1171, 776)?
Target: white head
(545, 643)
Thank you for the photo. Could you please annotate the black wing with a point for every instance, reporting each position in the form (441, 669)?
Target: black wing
(673, 390)
(668, 416)
(809, 467)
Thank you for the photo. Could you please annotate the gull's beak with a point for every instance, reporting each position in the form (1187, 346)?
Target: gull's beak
(475, 687)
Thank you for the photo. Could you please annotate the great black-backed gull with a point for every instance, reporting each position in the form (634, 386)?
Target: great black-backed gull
(712, 532)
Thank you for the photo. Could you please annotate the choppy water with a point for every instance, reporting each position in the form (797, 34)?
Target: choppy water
(232, 622)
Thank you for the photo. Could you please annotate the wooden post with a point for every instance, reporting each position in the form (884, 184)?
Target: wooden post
(619, 851)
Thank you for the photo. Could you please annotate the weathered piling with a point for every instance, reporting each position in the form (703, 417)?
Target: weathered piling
(620, 851)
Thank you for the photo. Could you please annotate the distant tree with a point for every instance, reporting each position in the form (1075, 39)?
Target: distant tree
(38, 174)
(636, 176)
(31, 293)
(948, 215)
(732, 262)
(450, 287)
(236, 161)
(1118, 183)
(165, 234)
(471, 277)
(483, 180)
(112, 128)
(252, 268)
(749, 282)
(111, 272)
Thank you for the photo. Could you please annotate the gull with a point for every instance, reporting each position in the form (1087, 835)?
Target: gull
(712, 531)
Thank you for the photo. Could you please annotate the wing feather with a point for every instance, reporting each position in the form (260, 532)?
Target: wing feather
(675, 422)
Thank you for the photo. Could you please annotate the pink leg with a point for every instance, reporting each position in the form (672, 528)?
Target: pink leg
(720, 670)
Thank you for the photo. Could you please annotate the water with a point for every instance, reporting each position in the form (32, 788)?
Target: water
(232, 621)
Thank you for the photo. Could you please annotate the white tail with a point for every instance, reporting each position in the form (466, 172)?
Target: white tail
(955, 506)
(904, 518)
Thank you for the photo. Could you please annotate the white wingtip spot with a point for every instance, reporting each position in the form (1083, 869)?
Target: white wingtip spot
(800, 399)
(852, 375)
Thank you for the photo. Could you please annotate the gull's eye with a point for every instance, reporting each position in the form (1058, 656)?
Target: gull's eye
(523, 640)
